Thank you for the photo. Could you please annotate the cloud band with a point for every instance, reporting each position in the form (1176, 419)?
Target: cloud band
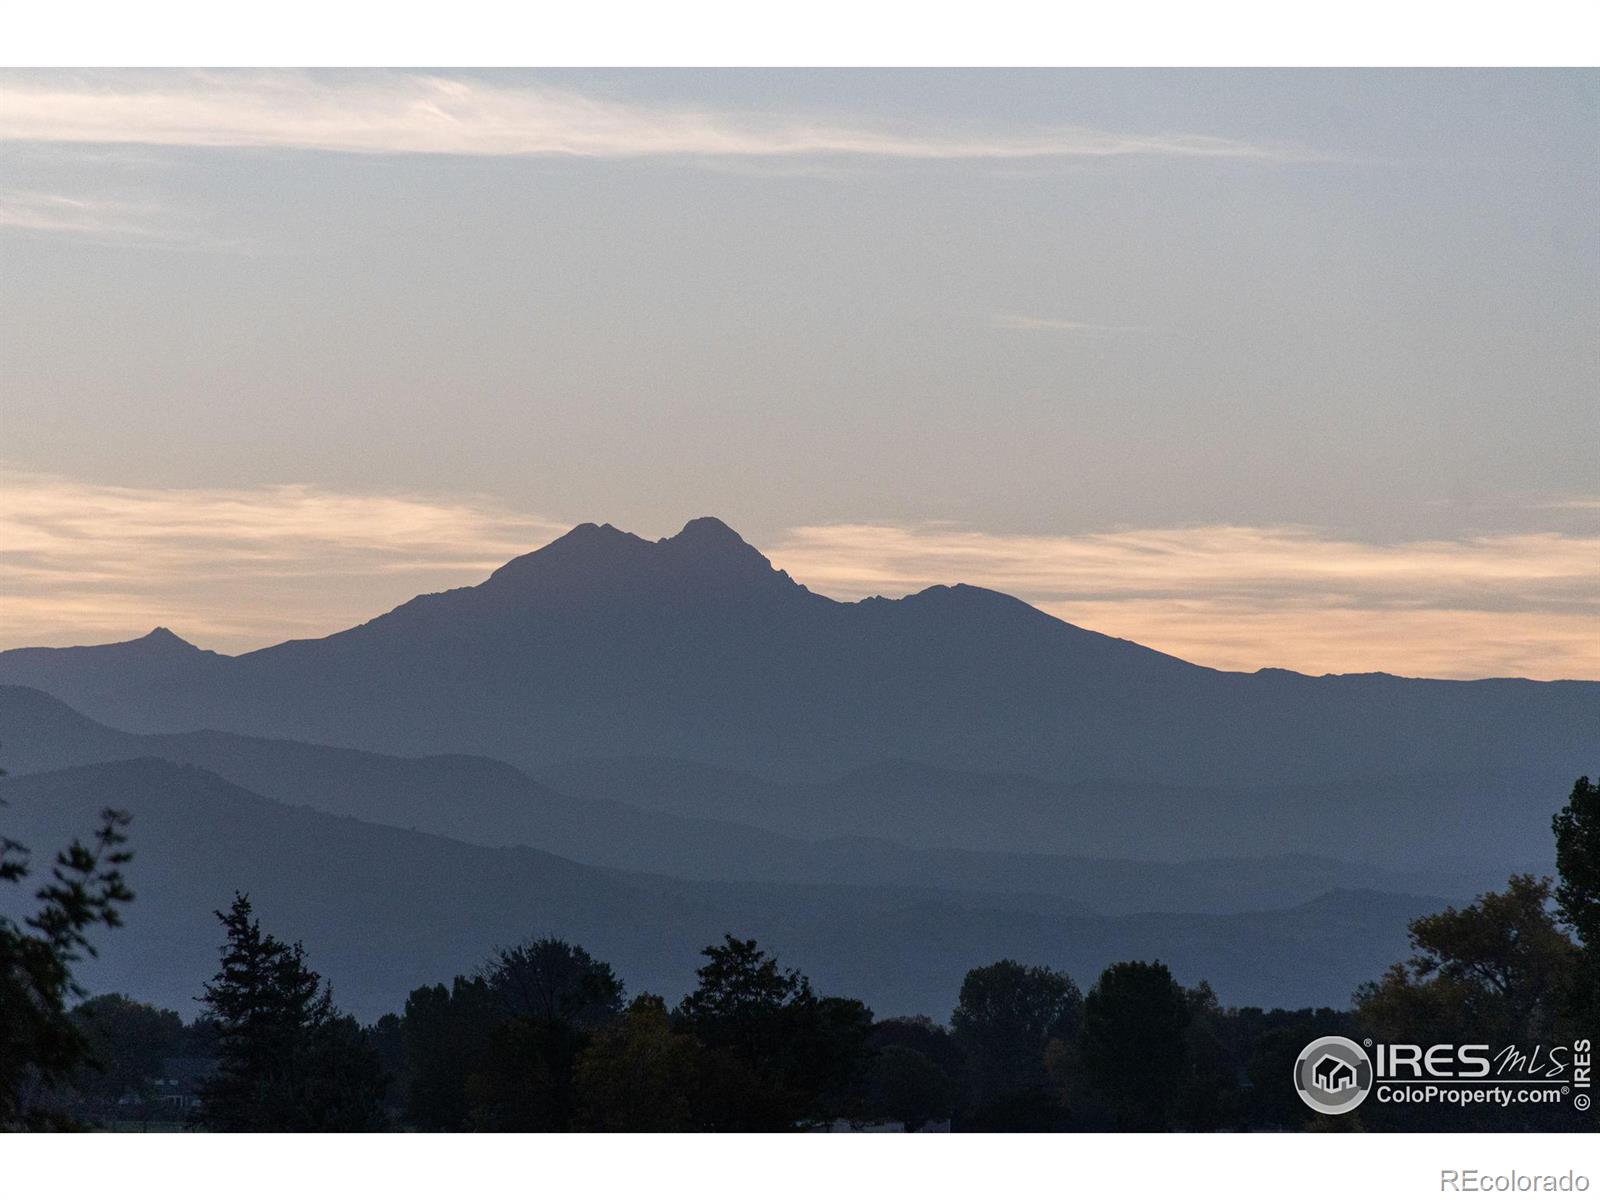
(380, 112)
(239, 568)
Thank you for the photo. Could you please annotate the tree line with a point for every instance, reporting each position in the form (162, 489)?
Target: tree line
(543, 1036)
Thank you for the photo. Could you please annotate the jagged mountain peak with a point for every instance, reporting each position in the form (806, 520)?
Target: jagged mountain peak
(703, 560)
(711, 546)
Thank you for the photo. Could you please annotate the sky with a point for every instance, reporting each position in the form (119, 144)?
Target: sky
(1266, 368)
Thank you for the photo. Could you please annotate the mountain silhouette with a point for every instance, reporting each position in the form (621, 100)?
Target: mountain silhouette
(606, 645)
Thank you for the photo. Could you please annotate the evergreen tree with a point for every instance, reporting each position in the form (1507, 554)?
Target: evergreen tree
(288, 1061)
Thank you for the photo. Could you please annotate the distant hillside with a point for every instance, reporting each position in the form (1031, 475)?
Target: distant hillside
(488, 803)
(604, 645)
(1441, 827)
(382, 910)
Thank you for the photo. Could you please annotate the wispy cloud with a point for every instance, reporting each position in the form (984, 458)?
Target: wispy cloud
(409, 113)
(47, 212)
(1494, 572)
(232, 568)
(1058, 325)
(111, 221)
(1244, 597)
(236, 568)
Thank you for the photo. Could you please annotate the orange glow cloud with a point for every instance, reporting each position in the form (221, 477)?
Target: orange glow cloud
(232, 569)
(1243, 597)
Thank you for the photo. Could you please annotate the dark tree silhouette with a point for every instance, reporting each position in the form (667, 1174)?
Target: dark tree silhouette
(548, 979)
(128, 1042)
(1271, 1044)
(1498, 969)
(445, 1034)
(550, 996)
(1134, 1047)
(924, 1035)
(1207, 1095)
(741, 1011)
(539, 1040)
(1007, 1012)
(780, 1055)
(40, 1046)
(829, 1052)
(740, 982)
(499, 1050)
(1577, 830)
(1501, 970)
(288, 1060)
(638, 1075)
(906, 1085)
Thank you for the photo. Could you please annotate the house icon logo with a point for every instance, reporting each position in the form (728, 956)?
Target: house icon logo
(1333, 1075)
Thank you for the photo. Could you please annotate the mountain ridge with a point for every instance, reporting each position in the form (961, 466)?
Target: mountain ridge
(898, 822)
(694, 646)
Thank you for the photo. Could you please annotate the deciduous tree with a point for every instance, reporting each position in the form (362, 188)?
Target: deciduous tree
(1005, 1017)
(40, 1046)
(1134, 1045)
